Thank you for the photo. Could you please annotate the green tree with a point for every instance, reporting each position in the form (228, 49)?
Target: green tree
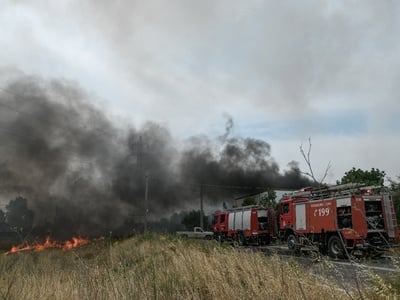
(269, 199)
(3, 225)
(249, 201)
(192, 219)
(373, 177)
(18, 216)
(2, 217)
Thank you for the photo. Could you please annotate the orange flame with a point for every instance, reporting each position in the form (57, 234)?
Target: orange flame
(48, 244)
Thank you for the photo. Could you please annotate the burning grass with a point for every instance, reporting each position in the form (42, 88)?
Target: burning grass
(49, 244)
(163, 267)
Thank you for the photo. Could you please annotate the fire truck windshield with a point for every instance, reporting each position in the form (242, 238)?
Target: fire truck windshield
(285, 208)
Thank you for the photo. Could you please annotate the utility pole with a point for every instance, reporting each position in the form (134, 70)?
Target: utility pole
(201, 207)
(146, 201)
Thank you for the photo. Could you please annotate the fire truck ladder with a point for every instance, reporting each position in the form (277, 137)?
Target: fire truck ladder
(239, 208)
(391, 218)
(337, 191)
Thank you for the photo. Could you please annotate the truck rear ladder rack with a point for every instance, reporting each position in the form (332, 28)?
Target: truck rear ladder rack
(337, 191)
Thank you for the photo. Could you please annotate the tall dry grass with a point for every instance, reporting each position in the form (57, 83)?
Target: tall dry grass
(164, 267)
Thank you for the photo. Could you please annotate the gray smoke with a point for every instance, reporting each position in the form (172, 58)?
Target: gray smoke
(82, 174)
(228, 127)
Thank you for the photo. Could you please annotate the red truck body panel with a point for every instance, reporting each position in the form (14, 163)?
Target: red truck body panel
(252, 224)
(358, 217)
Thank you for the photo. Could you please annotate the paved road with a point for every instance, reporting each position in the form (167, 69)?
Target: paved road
(346, 273)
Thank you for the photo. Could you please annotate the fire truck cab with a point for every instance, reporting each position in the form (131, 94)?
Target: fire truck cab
(341, 220)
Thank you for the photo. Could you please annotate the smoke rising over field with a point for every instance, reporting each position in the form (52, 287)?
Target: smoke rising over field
(84, 173)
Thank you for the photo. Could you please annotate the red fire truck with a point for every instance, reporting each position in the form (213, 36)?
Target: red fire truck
(340, 220)
(246, 225)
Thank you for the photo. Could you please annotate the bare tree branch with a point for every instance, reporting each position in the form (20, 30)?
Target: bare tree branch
(326, 172)
(307, 159)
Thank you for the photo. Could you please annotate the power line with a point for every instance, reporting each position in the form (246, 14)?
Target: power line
(240, 187)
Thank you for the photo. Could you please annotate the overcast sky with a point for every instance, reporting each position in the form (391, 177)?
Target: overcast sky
(283, 70)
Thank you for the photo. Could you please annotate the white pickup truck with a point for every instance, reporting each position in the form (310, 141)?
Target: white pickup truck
(197, 233)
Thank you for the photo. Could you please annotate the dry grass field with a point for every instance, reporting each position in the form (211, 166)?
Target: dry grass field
(165, 267)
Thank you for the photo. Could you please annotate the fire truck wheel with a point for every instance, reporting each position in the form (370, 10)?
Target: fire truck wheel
(291, 242)
(222, 238)
(241, 239)
(219, 237)
(335, 247)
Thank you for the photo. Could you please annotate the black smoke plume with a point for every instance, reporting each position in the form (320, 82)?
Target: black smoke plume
(84, 174)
